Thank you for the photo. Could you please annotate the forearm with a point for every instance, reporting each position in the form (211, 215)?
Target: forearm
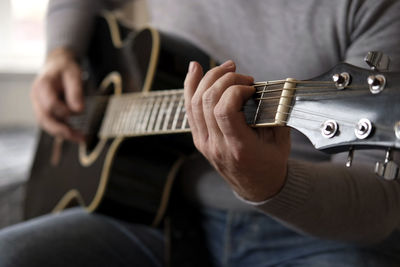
(69, 23)
(329, 200)
(334, 202)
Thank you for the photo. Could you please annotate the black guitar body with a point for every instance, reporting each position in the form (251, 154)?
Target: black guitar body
(127, 178)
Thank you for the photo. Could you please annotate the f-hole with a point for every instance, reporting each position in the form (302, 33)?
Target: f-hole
(87, 155)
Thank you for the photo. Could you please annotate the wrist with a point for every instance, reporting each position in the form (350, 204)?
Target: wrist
(251, 203)
(61, 53)
(265, 189)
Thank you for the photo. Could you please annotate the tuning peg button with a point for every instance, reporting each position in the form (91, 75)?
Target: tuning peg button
(377, 60)
(388, 170)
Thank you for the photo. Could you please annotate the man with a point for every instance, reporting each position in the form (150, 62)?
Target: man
(316, 212)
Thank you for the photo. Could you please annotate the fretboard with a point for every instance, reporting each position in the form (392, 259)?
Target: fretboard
(156, 112)
(161, 112)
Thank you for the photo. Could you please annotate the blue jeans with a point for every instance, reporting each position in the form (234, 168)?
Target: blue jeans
(238, 239)
(75, 238)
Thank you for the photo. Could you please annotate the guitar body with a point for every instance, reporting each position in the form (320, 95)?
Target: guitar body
(128, 178)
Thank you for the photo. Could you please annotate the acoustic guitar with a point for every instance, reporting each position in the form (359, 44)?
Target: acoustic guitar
(138, 134)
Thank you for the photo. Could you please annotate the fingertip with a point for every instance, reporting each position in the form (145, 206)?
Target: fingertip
(251, 79)
(194, 75)
(229, 64)
(192, 66)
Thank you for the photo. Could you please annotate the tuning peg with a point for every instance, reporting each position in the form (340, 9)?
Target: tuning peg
(376, 83)
(377, 60)
(341, 80)
(388, 170)
(350, 157)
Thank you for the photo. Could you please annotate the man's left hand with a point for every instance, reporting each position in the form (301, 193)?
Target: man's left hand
(252, 161)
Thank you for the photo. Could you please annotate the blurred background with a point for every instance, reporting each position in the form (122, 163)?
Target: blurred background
(22, 50)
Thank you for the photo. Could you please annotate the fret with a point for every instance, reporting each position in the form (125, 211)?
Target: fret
(185, 122)
(135, 114)
(267, 111)
(154, 114)
(119, 118)
(173, 111)
(161, 114)
(129, 114)
(178, 112)
(105, 126)
(143, 116)
(259, 105)
(141, 109)
(150, 105)
(181, 118)
(132, 113)
(124, 116)
(111, 119)
(169, 111)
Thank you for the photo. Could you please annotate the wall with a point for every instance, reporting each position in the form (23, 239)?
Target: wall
(15, 105)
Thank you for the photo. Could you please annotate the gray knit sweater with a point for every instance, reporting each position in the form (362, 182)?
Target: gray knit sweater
(273, 39)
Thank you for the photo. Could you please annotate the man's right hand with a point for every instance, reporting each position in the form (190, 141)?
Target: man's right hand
(57, 93)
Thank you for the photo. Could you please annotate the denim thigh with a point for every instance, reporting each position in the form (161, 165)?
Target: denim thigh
(254, 239)
(77, 238)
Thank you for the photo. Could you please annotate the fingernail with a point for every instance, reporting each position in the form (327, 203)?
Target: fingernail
(228, 64)
(192, 66)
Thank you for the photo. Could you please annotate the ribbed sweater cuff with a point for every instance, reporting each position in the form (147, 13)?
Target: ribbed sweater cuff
(294, 193)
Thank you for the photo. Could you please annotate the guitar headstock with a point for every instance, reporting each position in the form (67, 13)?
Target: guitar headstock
(349, 108)
(345, 109)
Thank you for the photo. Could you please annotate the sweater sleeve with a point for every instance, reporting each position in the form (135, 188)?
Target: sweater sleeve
(332, 201)
(69, 22)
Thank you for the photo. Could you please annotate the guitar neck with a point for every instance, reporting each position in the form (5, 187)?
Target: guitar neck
(134, 114)
(162, 112)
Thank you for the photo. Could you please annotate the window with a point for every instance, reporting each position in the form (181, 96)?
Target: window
(22, 28)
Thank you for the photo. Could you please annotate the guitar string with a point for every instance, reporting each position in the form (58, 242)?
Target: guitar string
(387, 129)
(342, 122)
(263, 99)
(301, 88)
(270, 83)
(381, 128)
(275, 90)
(179, 92)
(326, 93)
(271, 109)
